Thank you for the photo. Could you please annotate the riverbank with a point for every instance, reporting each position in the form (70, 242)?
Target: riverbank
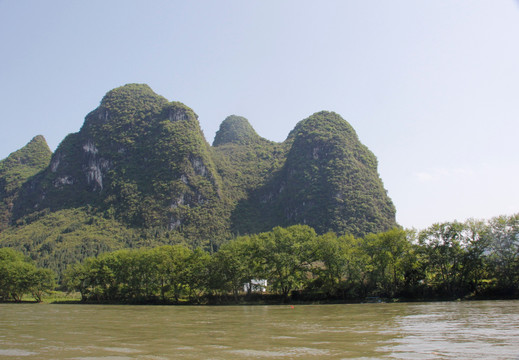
(59, 297)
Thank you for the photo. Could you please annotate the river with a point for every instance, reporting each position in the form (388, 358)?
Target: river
(440, 330)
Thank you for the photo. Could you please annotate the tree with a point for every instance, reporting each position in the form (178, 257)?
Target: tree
(19, 276)
(387, 252)
(172, 266)
(332, 262)
(15, 277)
(229, 267)
(196, 274)
(504, 234)
(442, 248)
(77, 278)
(42, 282)
(285, 257)
(476, 241)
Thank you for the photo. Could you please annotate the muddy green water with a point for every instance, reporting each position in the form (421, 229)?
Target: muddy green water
(457, 330)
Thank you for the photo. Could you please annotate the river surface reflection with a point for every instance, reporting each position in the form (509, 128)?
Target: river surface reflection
(449, 330)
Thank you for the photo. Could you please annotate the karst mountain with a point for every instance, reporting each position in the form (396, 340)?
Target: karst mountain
(142, 162)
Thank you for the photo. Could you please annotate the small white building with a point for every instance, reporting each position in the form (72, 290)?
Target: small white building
(256, 285)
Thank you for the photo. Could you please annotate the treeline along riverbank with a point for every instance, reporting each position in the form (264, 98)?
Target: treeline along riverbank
(447, 260)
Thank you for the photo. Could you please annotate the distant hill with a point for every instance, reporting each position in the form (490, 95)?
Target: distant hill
(142, 162)
(16, 169)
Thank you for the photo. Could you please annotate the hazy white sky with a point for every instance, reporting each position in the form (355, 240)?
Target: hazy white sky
(431, 87)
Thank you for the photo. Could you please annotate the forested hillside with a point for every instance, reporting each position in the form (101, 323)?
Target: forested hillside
(326, 179)
(16, 169)
(140, 170)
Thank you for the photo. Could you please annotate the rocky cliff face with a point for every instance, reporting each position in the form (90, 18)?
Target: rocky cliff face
(144, 160)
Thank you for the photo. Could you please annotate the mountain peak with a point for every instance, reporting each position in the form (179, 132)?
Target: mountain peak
(127, 104)
(35, 153)
(129, 92)
(38, 139)
(235, 129)
(16, 169)
(323, 122)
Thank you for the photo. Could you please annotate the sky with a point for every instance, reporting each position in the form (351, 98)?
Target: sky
(431, 87)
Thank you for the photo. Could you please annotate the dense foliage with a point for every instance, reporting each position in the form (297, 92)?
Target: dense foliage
(245, 162)
(139, 207)
(236, 130)
(328, 180)
(19, 276)
(55, 240)
(143, 161)
(17, 168)
(448, 260)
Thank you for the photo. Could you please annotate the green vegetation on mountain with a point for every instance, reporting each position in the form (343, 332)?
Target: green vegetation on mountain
(141, 166)
(56, 239)
(138, 207)
(139, 159)
(235, 130)
(329, 181)
(244, 160)
(16, 169)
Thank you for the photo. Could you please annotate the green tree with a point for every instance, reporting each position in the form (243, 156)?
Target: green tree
(19, 276)
(504, 234)
(387, 252)
(330, 259)
(172, 266)
(477, 241)
(285, 257)
(196, 274)
(231, 267)
(442, 249)
(42, 282)
(77, 278)
(15, 279)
